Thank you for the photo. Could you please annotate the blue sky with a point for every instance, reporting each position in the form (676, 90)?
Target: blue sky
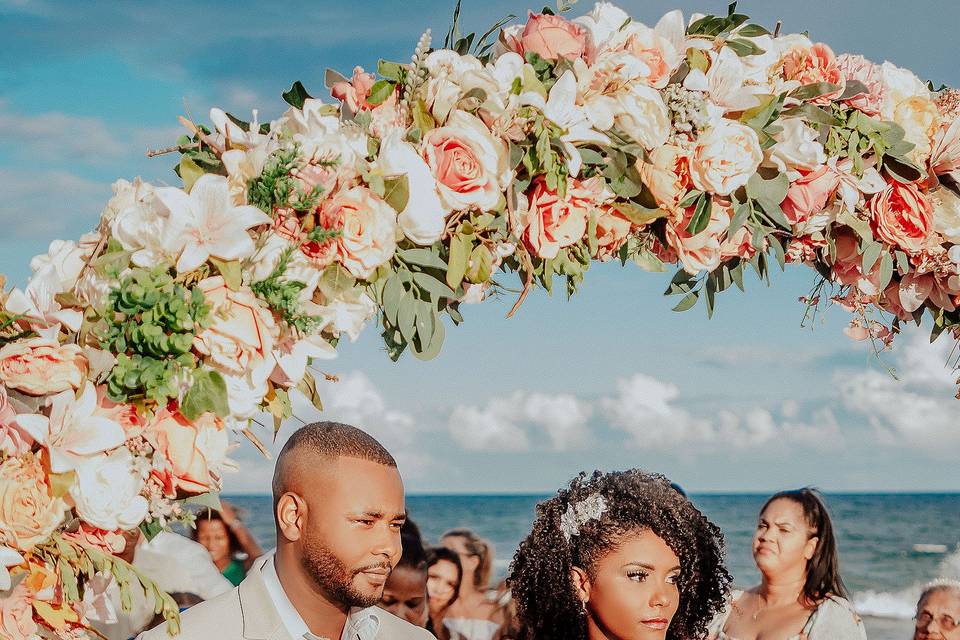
(613, 378)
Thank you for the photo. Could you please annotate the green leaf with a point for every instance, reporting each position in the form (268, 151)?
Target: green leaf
(870, 254)
(230, 270)
(207, 393)
(737, 274)
(773, 190)
(437, 289)
(752, 31)
(436, 341)
(701, 215)
(852, 89)
(903, 262)
(777, 251)
(480, 265)
(390, 70)
(687, 302)
(189, 171)
(422, 118)
(744, 48)
(406, 318)
(210, 500)
(459, 255)
(902, 169)
(638, 214)
(886, 269)
(422, 258)
(396, 192)
(813, 90)
(813, 114)
(308, 387)
(297, 95)
(740, 214)
(151, 528)
(391, 298)
(380, 91)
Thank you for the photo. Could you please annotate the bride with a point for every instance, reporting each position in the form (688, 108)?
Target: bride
(619, 555)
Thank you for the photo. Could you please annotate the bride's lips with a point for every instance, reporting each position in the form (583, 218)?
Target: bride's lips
(656, 623)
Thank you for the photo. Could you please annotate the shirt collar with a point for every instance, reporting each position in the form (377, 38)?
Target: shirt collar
(362, 624)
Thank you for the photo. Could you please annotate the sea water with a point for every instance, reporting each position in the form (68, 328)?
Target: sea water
(890, 545)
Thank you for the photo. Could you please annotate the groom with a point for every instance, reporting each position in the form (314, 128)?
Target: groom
(338, 507)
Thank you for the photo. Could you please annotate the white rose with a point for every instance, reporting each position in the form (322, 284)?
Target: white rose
(348, 313)
(245, 392)
(901, 84)
(321, 135)
(797, 147)
(725, 158)
(138, 221)
(920, 120)
(424, 217)
(470, 165)
(448, 72)
(760, 69)
(107, 491)
(643, 116)
(299, 268)
(60, 267)
(603, 22)
(946, 214)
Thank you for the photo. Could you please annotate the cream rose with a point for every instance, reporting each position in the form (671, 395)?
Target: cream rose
(424, 217)
(797, 147)
(369, 230)
(642, 115)
(703, 251)
(612, 232)
(41, 366)
(946, 214)
(554, 222)
(471, 166)
(920, 120)
(243, 329)
(107, 491)
(138, 221)
(28, 511)
(60, 267)
(725, 157)
(192, 453)
(667, 175)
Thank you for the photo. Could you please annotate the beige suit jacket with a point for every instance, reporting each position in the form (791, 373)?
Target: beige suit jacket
(247, 613)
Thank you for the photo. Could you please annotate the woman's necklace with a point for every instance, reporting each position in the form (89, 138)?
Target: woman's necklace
(760, 609)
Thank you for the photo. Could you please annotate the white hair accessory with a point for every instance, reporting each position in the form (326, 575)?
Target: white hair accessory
(578, 514)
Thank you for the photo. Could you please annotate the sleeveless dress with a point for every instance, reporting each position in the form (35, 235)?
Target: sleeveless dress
(833, 619)
(471, 628)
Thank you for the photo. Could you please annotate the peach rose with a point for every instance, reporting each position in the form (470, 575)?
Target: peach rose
(653, 50)
(667, 175)
(369, 234)
(14, 441)
(817, 63)
(700, 252)
(28, 511)
(725, 157)
(471, 166)
(804, 249)
(553, 37)
(355, 92)
(87, 535)
(856, 67)
(42, 366)
(16, 614)
(808, 195)
(193, 453)
(847, 266)
(553, 223)
(612, 231)
(901, 215)
(739, 245)
(242, 332)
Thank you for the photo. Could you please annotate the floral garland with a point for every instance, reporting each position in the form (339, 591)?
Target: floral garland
(134, 355)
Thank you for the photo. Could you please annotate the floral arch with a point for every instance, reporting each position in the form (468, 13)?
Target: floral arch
(135, 354)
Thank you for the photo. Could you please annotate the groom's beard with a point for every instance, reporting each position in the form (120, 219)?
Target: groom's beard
(333, 577)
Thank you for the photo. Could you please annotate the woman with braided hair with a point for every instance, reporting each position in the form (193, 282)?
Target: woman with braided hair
(619, 556)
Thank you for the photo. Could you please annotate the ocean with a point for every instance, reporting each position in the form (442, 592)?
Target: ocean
(878, 536)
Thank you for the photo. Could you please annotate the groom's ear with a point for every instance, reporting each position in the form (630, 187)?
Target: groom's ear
(581, 584)
(291, 516)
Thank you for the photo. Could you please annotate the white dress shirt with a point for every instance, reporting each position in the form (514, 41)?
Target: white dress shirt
(362, 624)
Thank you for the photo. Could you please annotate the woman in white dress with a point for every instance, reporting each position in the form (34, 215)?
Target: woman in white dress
(475, 614)
(801, 595)
(619, 555)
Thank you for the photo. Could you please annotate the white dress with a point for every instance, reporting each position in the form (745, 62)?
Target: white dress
(833, 619)
(471, 628)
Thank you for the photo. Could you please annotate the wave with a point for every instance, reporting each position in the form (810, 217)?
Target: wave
(903, 603)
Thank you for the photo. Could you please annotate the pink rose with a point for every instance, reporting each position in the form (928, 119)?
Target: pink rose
(804, 249)
(16, 614)
(192, 452)
(14, 441)
(123, 414)
(700, 252)
(814, 64)
(87, 535)
(243, 330)
(42, 366)
(355, 92)
(739, 245)
(369, 233)
(856, 67)
(554, 222)
(653, 50)
(28, 511)
(808, 195)
(553, 37)
(901, 215)
(471, 165)
(612, 231)
(667, 175)
(847, 268)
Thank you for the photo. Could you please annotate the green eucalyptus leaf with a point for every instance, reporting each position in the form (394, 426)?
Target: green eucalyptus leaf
(207, 393)
(380, 91)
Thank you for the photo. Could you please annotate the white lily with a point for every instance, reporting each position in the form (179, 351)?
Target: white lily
(724, 82)
(292, 363)
(38, 305)
(206, 223)
(348, 313)
(8, 558)
(851, 186)
(73, 431)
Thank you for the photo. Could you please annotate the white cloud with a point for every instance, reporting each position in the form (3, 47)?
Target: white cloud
(918, 410)
(43, 203)
(56, 136)
(504, 424)
(649, 412)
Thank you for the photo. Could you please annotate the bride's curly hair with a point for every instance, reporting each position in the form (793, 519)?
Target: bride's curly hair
(540, 580)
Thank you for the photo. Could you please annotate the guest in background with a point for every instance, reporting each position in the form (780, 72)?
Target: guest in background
(231, 545)
(444, 575)
(405, 592)
(475, 614)
(618, 555)
(801, 594)
(938, 611)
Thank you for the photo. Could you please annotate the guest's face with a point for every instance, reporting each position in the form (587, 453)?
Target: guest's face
(632, 593)
(351, 540)
(938, 616)
(405, 595)
(469, 561)
(441, 585)
(783, 542)
(213, 535)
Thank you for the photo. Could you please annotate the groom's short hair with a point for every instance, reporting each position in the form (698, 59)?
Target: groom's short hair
(328, 440)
